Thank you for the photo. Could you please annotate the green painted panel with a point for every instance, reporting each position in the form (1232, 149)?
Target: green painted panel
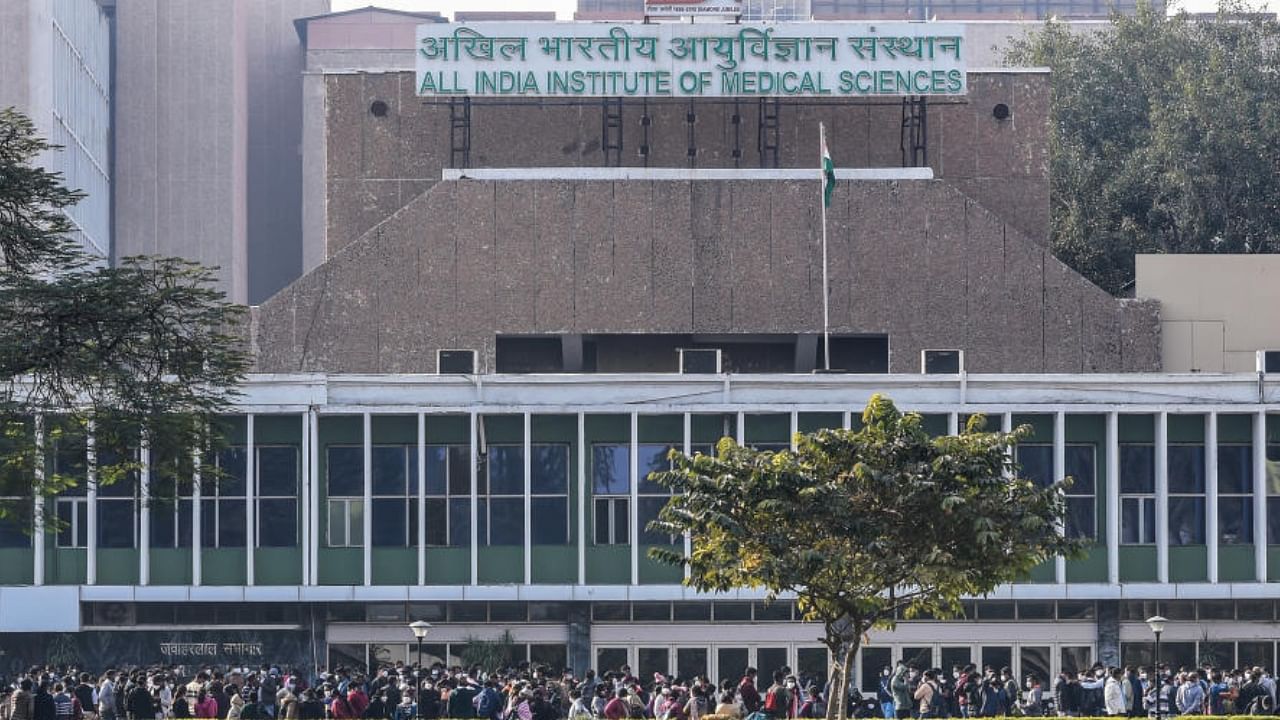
(504, 429)
(1235, 563)
(1186, 428)
(609, 565)
(653, 572)
(710, 428)
(990, 423)
(394, 429)
(499, 565)
(1273, 563)
(223, 566)
(171, 566)
(813, 422)
(1091, 568)
(1138, 563)
(234, 428)
(1273, 428)
(277, 429)
(661, 429)
(340, 566)
(935, 425)
(1188, 563)
(1041, 426)
(65, 566)
(117, 566)
(448, 429)
(278, 566)
(771, 428)
(1045, 572)
(555, 565)
(448, 566)
(1137, 428)
(608, 428)
(395, 566)
(1235, 428)
(17, 566)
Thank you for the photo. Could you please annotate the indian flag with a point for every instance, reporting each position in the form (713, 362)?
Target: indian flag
(828, 168)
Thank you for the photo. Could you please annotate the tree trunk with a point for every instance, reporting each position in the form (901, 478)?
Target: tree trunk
(850, 648)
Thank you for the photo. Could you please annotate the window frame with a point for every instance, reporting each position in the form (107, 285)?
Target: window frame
(1144, 500)
(612, 500)
(1072, 494)
(211, 505)
(1246, 537)
(408, 497)
(259, 497)
(347, 502)
(1202, 496)
(447, 496)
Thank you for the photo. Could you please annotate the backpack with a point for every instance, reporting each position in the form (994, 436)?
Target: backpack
(485, 703)
(937, 703)
(773, 703)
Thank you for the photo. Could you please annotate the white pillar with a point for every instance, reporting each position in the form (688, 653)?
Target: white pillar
(1211, 492)
(91, 505)
(1162, 496)
(367, 541)
(422, 498)
(687, 450)
(953, 423)
(37, 533)
(475, 502)
(313, 500)
(582, 499)
(846, 420)
(1112, 484)
(1006, 426)
(1059, 472)
(144, 513)
(250, 500)
(197, 520)
(304, 493)
(635, 499)
(795, 429)
(741, 430)
(1260, 538)
(528, 499)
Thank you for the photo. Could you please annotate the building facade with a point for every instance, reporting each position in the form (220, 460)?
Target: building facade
(786, 10)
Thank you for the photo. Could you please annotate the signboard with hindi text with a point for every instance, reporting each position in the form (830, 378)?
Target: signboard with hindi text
(691, 60)
(663, 8)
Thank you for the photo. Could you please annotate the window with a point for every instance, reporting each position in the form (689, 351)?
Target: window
(449, 495)
(171, 503)
(652, 496)
(1080, 465)
(346, 495)
(1186, 495)
(117, 506)
(72, 507)
(1273, 499)
(1235, 494)
(395, 507)
(1137, 494)
(501, 509)
(222, 502)
(277, 496)
(611, 490)
(549, 499)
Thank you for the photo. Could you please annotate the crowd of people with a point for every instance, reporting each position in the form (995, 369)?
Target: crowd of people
(533, 693)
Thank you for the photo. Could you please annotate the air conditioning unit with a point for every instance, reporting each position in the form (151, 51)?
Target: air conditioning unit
(941, 362)
(455, 362)
(700, 361)
(1269, 361)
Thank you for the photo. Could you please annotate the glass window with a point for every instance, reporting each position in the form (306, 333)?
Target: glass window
(346, 522)
(651, 612)
(117, 515)
(554, 658)
(652, 660)
(508, 611)
(277, 497)
(610, 612)
(731, 663)
(920, 658)
(1077, 658)
(1216, 610)
(691, 662)
(733, 612)
(448, 496)
(549, 508)
(1186, 495)
(776, 611)
(1259, 653)
(770, 659)
(692, 611)
(1218, 654)
(1036, 460)
(1235, 494)
(1081, 467)
(874, 661)
(1255, 610)
(610, 659)
(955, 657)
(611, 484)
(1137, 498)
(73, 523)
(997, 657)
(468, 612)
(345, 466)
(1032, 610)
(995, 610)
(1035, 663)
(1075, 610)
(811, 665)
(548, 612)
(395, 495)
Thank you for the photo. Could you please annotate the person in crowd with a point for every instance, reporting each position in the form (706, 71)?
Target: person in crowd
(1032, 703)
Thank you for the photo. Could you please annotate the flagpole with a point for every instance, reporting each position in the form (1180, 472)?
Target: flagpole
(826, 296)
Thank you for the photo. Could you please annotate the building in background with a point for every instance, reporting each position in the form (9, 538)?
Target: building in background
(884, 9)
(502, 15)
(56, 67)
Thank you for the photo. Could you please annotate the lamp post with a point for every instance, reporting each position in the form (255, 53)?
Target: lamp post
(1156, 623)
(420, 629)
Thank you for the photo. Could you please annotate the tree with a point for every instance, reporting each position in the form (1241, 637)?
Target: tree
(1165, 137)
(863, 526)
(145, 351)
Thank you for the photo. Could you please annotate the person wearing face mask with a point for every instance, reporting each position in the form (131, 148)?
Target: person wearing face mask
(1011, 693)
(1032, 703)
(899, 686)
(884, 694)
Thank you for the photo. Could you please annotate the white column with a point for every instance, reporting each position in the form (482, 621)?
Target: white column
(475, 502)
(953, 423)
(250, 500)
(687, 450)
(367, 542)
(1260, 538)
(91, 505)
(197, 519)
(1162, 496)
(846, 420)
(304, 493)
(37, 533)
(741, 430)
(582, 499)
(144, 513)
(313, 500)
(1006, 426)
(795, 428)
(1112, 484)
(635, 499)
(1059, 472)
(528, 498)
(422, 498)
(1211, 492)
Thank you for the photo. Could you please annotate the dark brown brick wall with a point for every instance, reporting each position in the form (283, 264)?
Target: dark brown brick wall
(918, 260)
(376, 165)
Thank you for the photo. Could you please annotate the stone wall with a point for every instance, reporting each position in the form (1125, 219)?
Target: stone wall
(918, 260)
(378, 164)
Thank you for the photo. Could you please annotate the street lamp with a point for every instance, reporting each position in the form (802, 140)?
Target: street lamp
(1156, 623)
(420, 629)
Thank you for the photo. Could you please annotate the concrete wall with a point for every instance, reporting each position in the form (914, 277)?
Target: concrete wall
(376, 165)
(1216, 311)
(915, 259)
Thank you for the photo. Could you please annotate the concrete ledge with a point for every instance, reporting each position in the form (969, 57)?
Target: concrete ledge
(679, 174)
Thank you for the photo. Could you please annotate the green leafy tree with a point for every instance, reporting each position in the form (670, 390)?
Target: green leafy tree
(1165, 137)
(143, 351)
(863, 526)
